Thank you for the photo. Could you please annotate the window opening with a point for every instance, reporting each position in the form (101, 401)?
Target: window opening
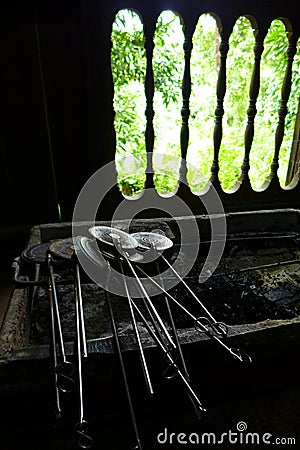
(239, 68)
(128, 63)
(205, 60)
(168, 65)
(272, 69)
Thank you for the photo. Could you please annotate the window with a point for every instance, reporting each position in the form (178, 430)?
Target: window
(181, 90)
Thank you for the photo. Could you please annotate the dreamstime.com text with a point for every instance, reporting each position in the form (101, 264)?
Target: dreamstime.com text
(239, 436)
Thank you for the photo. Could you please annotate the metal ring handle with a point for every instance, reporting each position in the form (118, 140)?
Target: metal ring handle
(220, 328)
(64, 372)
(201, 323)
(213, 329)
(85, 441)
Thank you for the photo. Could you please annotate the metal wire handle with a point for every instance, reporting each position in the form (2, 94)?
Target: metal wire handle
(172, 364)
(240, 354)
(201, 327)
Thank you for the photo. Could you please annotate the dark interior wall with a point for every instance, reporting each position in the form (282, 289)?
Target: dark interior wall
(44, 110)
(41, 86)
(55, 65)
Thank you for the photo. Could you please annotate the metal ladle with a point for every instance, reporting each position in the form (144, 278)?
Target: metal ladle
(109, 236)
(158, 243)
(158, 337)
(208, 325)
(86, 247)
(125, 245)
(167, 353)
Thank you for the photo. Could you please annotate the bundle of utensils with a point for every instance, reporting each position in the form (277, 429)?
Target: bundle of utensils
(137, 259)
(132, 254)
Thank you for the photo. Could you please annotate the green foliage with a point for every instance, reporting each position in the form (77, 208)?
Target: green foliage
(129, 72)
(166, 63)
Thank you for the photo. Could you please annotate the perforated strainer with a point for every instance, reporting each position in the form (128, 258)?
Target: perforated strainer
(148, 239)
(107, 236)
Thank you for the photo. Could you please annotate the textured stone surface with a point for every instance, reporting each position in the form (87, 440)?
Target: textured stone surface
(245, 299)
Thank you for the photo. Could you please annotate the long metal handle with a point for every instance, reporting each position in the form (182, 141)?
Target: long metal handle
(119, 352)
(81, 313)
(53, 286)
(188, 288)
(85, 441)
(169, 357)
(176, 337)
(58, 411)
(153, 309)
(65, 369)
(137, 336)
(79, 362)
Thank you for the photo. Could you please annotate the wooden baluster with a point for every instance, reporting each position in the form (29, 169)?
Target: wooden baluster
(219, 112)
(149, 92)
(251, 112)
(282, 112)
(186, 92)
